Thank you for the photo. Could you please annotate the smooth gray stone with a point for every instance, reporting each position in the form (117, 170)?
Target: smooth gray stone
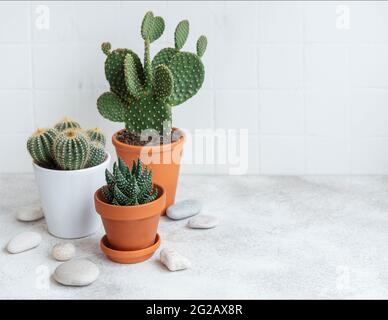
(24, 241)
(63, 251)
(29, 213)
(76, 273)
(203, 221)
(184, 209)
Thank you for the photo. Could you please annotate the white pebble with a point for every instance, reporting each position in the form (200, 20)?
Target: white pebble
(63, 251)
(29, 213)
(76, 273)
(173, 260)
(203, 222)
(24, 241)
(184, 209)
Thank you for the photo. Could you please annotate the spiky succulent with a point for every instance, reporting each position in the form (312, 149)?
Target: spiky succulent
(142, 96)
(129, 187)
(96, 134)
(66, 123)
(70, 149)
(97, 154)
(40, 144)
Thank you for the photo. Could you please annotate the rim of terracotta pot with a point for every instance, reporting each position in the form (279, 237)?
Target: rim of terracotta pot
(138, 212)
(64, 172)
(155, 149)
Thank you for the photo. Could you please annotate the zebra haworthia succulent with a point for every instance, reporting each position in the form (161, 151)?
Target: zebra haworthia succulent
(140, 95)
(129, 187)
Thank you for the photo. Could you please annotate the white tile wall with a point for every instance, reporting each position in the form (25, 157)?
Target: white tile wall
(312, 93)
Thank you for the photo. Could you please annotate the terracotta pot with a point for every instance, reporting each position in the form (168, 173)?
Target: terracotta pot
(164, 160)
(130, 228)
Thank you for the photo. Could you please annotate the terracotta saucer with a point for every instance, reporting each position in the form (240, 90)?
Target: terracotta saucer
(128, 256)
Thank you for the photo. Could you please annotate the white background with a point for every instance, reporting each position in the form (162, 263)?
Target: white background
(313, 97)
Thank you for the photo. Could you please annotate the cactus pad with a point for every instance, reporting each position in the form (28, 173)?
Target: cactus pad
(152, 27)
(188, 73)
(181, 34)
(110, 106)
(164, 83)
(114, 71)
(132, 80)
(201, 46)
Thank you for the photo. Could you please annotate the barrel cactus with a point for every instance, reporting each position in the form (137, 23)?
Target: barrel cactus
(141, 96)
(67, 123)
(97, 135)
(128, 187)
(67, 149)
(97, 154)
(71, 150)
(40, 144)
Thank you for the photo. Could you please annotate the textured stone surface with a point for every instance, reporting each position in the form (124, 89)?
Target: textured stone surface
(80, 272)
(173, 260)
(63, 251)
(24, 241)
(281, 237)
(203, 221)
(184, 209)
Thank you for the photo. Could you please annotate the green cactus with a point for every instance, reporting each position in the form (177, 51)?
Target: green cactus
(97, 135)
(71, 150)
(142, 97)
(129, 187)
(66, 123)
(97, 154)
(40, 144)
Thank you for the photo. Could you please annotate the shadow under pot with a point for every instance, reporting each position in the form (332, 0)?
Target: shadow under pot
(164, 161)
(131, 231)
(67, 199)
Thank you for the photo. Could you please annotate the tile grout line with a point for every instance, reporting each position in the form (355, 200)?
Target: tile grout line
(32, 69)
(303, 88)
(259, 106)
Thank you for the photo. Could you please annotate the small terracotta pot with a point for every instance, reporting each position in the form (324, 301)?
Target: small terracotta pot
(164, 160)
(130, 228)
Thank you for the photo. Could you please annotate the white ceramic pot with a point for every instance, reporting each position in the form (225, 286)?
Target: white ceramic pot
(67, 199)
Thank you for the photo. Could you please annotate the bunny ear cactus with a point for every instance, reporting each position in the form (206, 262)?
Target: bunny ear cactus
(142, 97)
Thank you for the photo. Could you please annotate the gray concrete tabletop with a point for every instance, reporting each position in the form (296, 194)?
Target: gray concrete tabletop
(278, 237)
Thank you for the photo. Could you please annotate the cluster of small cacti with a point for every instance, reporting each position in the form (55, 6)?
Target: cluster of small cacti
(128, 187)
(67, 146)
(142, 97)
